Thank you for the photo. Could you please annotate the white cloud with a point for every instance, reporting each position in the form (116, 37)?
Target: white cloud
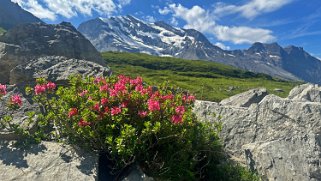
(196, 17)
(50, 9)
(243, 34)
(149, 19)
(70, 8)
(164, 11)
(221, 45)
(204, 21)
(251, 9)
(174, 21)
(124, 2)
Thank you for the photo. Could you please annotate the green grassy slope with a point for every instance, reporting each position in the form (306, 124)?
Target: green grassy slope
(207, 80)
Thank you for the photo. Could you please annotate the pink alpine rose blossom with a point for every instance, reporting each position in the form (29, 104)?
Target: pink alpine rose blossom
(103, 88)
(3, 90)
(180, 110)
(16, 100)
(39, 89)
(142, 114)
(137, 81)
(120, 87)
(83, 123)
(177, 119)
(123, 79)
(104, 101)
(72, 112)
(191, 98)
(115, 111)
(139, 88)
(96, 107)
(51, 86)
(124, 104)
(168, 97)
(113, 93)
(83, 93)
(153, 105)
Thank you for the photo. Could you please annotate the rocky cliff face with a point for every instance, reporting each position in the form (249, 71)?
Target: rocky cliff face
(129, 34)
(278, 137)
(53, 51)
(11, 15)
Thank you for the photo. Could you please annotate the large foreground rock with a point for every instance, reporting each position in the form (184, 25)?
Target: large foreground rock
(278, 137)
(47, 161)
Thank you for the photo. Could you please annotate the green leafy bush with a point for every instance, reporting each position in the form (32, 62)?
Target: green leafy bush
(128, 122)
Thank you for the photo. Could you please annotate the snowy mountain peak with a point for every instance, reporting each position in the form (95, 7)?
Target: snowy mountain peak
(127, 33)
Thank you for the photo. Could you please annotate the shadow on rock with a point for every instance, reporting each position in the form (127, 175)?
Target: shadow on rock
(13, 154)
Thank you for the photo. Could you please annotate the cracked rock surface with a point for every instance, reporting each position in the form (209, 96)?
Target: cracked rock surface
(280, 138)
(46, 161)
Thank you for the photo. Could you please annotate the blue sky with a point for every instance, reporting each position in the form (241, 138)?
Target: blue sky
(231, 24)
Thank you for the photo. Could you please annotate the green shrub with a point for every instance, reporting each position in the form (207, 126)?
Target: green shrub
(130, 123)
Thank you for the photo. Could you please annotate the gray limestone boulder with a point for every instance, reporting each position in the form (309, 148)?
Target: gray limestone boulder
(278, 137)
(306, 92)
(245, 99)
(47, 161)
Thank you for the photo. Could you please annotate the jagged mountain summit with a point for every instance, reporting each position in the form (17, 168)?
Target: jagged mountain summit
(129, 34)
(11, 14)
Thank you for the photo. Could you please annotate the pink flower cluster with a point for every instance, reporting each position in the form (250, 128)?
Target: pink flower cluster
(153, 105)
(115, 110)
(137, 81)
(3, 90)
(83, 123)
(142, 114)
(83, 93)
(178, 117)
(42, 88)
(189, 98)
(128, 96)
(72, 112)
(16, 100)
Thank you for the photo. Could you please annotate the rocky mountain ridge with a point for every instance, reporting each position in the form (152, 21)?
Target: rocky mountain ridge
(11, 14)
(129, 34)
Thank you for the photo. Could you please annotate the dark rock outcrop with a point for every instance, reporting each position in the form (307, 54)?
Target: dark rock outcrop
(52, 51)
